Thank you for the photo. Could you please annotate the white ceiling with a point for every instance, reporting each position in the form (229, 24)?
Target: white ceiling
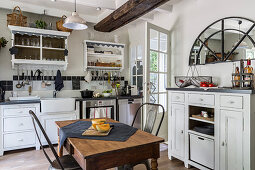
(86, 8)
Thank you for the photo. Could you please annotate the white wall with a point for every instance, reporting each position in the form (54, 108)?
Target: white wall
(187, 20)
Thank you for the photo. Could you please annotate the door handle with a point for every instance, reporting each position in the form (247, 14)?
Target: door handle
(201, 138)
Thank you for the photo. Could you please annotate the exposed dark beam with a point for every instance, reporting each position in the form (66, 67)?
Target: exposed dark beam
(127, 13)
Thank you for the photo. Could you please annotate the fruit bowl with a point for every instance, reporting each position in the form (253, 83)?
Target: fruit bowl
(107, 94)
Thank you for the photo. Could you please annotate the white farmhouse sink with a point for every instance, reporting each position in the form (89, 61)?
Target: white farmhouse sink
(55, 105)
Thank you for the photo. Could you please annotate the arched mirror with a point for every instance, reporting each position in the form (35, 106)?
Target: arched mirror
(228, 39)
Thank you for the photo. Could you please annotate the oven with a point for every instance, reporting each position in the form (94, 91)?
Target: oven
(99, 109)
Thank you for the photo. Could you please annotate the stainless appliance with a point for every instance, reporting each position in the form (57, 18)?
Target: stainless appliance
(98, 109)
(127, 111)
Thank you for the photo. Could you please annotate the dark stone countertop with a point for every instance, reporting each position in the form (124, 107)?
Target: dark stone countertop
(8, 102)
(110, 98)
(215, 90)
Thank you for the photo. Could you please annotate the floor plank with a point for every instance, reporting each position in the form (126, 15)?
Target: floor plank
(30, 159)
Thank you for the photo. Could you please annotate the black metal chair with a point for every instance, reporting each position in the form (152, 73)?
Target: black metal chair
(66, 162)
(152, 113)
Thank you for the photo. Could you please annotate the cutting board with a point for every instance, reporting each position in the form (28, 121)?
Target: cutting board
(92, 132)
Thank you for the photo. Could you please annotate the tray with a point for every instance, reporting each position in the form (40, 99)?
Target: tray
(203, 118)
(92, 132)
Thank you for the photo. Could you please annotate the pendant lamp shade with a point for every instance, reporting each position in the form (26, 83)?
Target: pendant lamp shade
(75, 22)
(243, 44)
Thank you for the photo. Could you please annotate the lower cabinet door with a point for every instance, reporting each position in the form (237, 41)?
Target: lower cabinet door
(177, 132)
(50, 127)
(231, 130)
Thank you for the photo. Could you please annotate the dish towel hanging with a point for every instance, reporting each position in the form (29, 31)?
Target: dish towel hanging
(59, 84)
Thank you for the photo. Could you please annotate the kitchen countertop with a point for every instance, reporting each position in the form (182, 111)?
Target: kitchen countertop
(215, 90)
(8, 102)
(110, 98)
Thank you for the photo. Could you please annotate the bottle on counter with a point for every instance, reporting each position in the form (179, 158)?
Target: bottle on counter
(237, 77)
(248, 69)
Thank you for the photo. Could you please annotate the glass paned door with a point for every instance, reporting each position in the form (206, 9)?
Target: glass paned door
(157, 65)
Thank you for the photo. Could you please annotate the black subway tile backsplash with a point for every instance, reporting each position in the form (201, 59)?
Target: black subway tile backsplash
(8, 84)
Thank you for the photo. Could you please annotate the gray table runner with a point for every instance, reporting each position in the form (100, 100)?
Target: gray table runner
(121, 132)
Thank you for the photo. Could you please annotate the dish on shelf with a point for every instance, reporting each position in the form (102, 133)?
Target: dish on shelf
(203, 118)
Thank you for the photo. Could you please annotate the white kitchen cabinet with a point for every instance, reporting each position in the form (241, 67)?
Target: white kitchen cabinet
(49, 125)
(16, 128)
(231, 140)
(177, 130)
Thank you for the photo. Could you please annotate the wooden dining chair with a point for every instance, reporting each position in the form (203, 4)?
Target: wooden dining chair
(152, 111)
(66, 162)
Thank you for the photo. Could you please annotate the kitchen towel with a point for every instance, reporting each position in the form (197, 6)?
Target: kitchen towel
(59, 81)
(121, 132)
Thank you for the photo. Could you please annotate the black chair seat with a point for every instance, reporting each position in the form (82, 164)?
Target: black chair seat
(67, 161)
(149, 125)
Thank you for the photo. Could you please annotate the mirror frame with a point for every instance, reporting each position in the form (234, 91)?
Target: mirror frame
(223, 58)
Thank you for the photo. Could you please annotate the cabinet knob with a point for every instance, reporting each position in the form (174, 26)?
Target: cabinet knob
(231, 102)
(223, 143)
(21, 124)
(201, 99)
(20, 140)
(20, 111)
(182, 131)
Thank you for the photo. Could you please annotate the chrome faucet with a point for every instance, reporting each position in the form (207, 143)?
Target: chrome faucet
(54, 94)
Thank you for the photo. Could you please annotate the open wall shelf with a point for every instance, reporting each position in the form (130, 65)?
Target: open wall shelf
(42, 48)
(103, 55)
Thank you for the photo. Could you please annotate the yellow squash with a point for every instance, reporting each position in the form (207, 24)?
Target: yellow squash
(103, 128)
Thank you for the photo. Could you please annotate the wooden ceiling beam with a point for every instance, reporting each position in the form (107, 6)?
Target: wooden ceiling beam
(128, 12)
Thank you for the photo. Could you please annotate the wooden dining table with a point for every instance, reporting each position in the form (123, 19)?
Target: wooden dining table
(101, 155)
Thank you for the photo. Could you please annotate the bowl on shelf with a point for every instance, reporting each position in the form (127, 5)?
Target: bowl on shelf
(107, 94)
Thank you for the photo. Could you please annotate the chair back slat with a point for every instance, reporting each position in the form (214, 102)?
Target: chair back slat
(152, 114)
(35, 119)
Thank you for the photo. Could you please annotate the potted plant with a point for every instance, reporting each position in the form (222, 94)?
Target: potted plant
(3, 42)
(41, 24)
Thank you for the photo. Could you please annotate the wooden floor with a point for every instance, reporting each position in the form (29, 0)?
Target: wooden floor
(30, 159)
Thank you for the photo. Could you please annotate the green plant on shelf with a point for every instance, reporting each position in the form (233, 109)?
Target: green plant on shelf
(3, 42)
(41, 24)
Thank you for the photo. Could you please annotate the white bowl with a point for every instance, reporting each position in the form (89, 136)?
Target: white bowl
(107, 94)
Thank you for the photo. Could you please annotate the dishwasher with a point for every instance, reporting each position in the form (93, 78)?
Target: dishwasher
(127, 111)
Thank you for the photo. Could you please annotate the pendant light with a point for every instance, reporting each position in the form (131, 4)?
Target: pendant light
(75, 22)
(243, 44)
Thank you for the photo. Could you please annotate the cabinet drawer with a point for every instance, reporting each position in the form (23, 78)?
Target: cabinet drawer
(202, 150)
(17, 111)
(178, 97)
(17, 124)
(201, 99)
(231, 101)
(19, 139)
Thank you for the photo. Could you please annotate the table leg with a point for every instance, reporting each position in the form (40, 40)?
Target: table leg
(60, 150)
(154, 164)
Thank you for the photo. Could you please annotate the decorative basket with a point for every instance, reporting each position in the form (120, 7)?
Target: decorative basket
(59, 25)
(185, 81)
(16, 18)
